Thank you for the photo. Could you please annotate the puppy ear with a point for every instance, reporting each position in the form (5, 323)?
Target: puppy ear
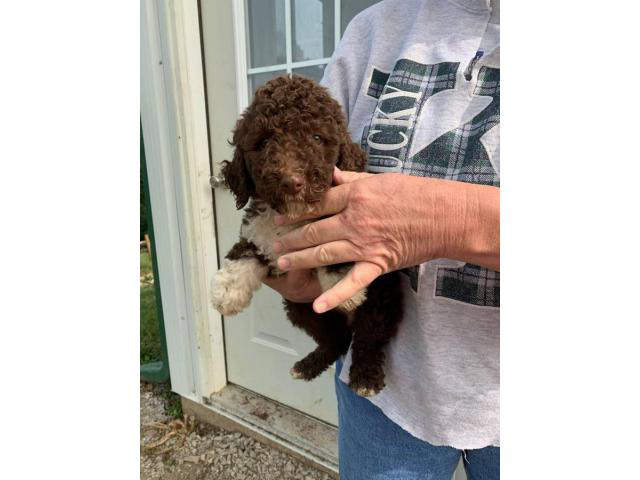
(237, 178)
(352, 158)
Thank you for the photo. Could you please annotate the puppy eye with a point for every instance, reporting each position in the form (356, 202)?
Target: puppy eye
(318, 138)
(261, 144)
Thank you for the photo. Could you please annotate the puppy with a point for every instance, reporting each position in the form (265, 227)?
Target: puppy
(287, 143)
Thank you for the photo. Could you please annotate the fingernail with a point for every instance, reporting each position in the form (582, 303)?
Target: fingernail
(320, 307)
(283, 263)
(279, 219)
(277, 247)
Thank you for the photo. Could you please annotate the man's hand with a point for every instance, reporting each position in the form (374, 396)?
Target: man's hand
(386, 222)
(299, 286)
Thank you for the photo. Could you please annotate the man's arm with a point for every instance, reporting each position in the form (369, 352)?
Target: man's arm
(474, 223)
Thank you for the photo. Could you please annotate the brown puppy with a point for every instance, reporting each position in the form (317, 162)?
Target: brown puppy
(287, 143)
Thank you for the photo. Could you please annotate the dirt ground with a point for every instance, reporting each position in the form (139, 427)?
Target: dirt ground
(187, 450)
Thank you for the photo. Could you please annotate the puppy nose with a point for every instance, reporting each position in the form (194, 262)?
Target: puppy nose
(291, 184)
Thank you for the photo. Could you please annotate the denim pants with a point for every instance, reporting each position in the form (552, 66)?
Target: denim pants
(372, 447)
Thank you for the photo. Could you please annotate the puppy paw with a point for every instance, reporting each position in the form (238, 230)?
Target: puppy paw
(229, 307)
(228, 297)
(329, 279)
(366, 391)
(366, 387)
(354, 302)
(308, 368)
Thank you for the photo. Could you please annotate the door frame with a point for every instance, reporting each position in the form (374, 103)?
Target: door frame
(174, 121)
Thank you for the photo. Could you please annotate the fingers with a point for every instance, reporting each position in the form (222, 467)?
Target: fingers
(284, 282)
(334, 201)
(340, 251)
(298, 277)
(299, 286)
(359, 277)
(341, 177)
(312, 234)
(277, 283)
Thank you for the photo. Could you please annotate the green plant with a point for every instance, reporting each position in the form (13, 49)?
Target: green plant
(172, 403)
(145, 263)
(150, 350)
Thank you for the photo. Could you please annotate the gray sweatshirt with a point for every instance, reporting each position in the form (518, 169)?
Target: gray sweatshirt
(419, 81)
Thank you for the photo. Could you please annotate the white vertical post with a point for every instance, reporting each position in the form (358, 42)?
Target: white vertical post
(160, 150)
(240, 41)
(288, 33)
(337, 19)
(195, 170)
(179, 183)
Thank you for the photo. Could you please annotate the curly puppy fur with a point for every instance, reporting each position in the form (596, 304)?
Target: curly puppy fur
(286, 145)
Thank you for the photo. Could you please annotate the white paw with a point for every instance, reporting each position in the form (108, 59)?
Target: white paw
(295, 373)
(354, 302)
(228, 297)
(329, 279)
(366, 392)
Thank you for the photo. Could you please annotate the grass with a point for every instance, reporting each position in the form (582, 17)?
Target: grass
(150, 349)
(145, 263)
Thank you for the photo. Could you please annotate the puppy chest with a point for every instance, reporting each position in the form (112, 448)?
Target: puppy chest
(263, 232)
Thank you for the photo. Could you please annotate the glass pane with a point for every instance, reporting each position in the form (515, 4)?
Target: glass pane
(350, 8)
(312, 29)
(266, 38)
(314, 72)
(260, 79)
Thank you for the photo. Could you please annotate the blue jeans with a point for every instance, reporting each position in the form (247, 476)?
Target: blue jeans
(372, 447)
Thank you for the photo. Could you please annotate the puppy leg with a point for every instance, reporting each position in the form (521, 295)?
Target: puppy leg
(330, 332)
(375, 322)
(329, 276)
(241, 275)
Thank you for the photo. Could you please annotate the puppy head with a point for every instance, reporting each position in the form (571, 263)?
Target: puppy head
(286, 145)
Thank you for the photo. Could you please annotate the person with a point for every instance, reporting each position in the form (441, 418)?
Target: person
(419, 81)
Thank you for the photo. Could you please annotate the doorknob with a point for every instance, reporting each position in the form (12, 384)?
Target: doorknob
(217, 181)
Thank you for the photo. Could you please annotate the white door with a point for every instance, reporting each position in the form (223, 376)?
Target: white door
(246, 43)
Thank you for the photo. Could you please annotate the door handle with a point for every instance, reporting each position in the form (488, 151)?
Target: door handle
(217, 181)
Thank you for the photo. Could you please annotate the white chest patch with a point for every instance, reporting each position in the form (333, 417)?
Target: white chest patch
(263, 232)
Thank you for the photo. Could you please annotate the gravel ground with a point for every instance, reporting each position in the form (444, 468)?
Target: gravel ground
(187, 450)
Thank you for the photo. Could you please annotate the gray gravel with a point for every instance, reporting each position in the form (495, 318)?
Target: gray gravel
(201, 451)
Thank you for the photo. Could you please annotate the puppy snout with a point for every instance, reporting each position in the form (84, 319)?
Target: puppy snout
(291, 184)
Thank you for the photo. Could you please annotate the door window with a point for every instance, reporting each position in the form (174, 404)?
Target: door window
(294, 36)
